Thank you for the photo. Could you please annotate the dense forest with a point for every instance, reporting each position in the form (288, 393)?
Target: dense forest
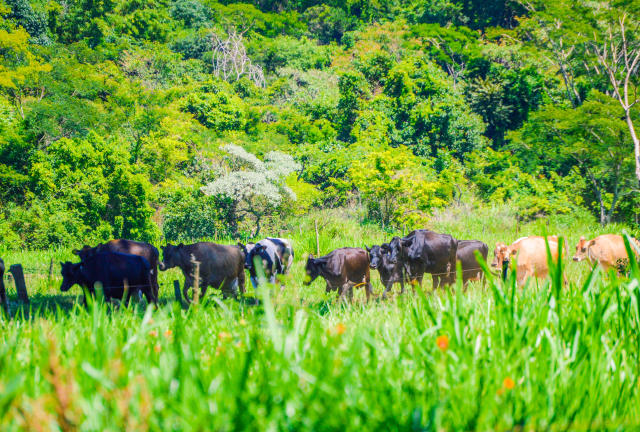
(199, 118)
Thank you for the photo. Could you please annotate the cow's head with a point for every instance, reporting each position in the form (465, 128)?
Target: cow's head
(85, 252)
(501, 255)
(171, 256)
(70, 275)
(312, 268)
(582, 249)
(378, 255)
(397, 247)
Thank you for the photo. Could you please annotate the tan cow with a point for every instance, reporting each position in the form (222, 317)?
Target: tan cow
(531, 255)
(608, 250)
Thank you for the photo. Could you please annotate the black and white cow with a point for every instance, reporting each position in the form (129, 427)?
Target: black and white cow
(275, 254)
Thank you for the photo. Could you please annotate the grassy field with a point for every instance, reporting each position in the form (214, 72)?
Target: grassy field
(499, 358)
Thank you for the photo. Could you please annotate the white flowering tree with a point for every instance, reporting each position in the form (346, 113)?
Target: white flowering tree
(256, 188)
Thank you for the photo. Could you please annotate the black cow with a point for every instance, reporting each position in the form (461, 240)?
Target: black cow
(276, 255)
(111, 269)
(221, 266)
(471, 269)
(145, 250)
(424, 251)
(3, 292)
(343, 269)
(390, 273)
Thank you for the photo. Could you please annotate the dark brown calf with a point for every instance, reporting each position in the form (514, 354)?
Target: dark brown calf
(343, 269)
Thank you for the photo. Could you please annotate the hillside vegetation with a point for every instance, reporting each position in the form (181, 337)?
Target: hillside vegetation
(195, 118)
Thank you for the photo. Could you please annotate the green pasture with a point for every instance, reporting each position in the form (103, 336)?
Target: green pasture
(544, 357)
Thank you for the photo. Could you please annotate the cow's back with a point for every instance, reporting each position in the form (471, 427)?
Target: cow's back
(218, 263)
(532, 256)
(465, 253)
(608, 250)
(146, 250)
(352, 264)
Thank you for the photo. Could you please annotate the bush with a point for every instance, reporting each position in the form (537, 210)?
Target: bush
(189, 215)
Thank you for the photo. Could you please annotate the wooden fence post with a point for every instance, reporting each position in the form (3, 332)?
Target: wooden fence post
(176, 291)
(196, 279)
(18, 277)
(317, 238)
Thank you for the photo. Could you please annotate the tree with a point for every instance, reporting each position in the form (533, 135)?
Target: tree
(396, 187)
(255, 187)
(591, 139)
(618, 53)
(230, 59)
(20, 69)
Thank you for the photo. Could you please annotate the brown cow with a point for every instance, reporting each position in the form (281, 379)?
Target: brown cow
(343, 269)
(531, 253)
(145, 250)
(608, 250)
(221, 266)
(471, 270)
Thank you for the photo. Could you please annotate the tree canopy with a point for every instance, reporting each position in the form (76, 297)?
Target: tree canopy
(132, 119)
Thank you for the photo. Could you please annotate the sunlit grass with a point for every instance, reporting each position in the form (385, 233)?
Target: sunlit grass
(545, 356)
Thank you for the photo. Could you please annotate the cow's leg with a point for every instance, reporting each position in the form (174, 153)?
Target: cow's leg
(188, 283)
(345, 291)
(154, 284)
(387, 288)
(369, 290)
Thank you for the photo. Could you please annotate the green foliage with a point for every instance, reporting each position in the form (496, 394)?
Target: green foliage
(428, 112)
(286, 51)
(189, 215)
(218, 111)
(344, 81)
(396, 187)
(499, 179)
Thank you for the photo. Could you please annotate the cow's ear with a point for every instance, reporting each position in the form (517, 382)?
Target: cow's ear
(368, 249)
(592, 242)
(310, 256)
(513, 251)
(582, 238)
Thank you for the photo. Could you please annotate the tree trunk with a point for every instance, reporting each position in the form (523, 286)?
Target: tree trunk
(636, 143)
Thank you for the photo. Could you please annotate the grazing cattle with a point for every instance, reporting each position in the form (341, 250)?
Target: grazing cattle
(276, 255)
(471, 270)
(424, 251)
(343, 269)
(111, 269)
(608, 250)
(3, 292)
(390, 272)
(531, 255)
(145, 250)
(221, 266)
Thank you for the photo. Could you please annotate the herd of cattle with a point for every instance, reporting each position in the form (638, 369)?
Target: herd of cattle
(124, 267)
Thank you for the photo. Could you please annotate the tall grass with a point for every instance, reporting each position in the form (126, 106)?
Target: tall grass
(546, 356)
